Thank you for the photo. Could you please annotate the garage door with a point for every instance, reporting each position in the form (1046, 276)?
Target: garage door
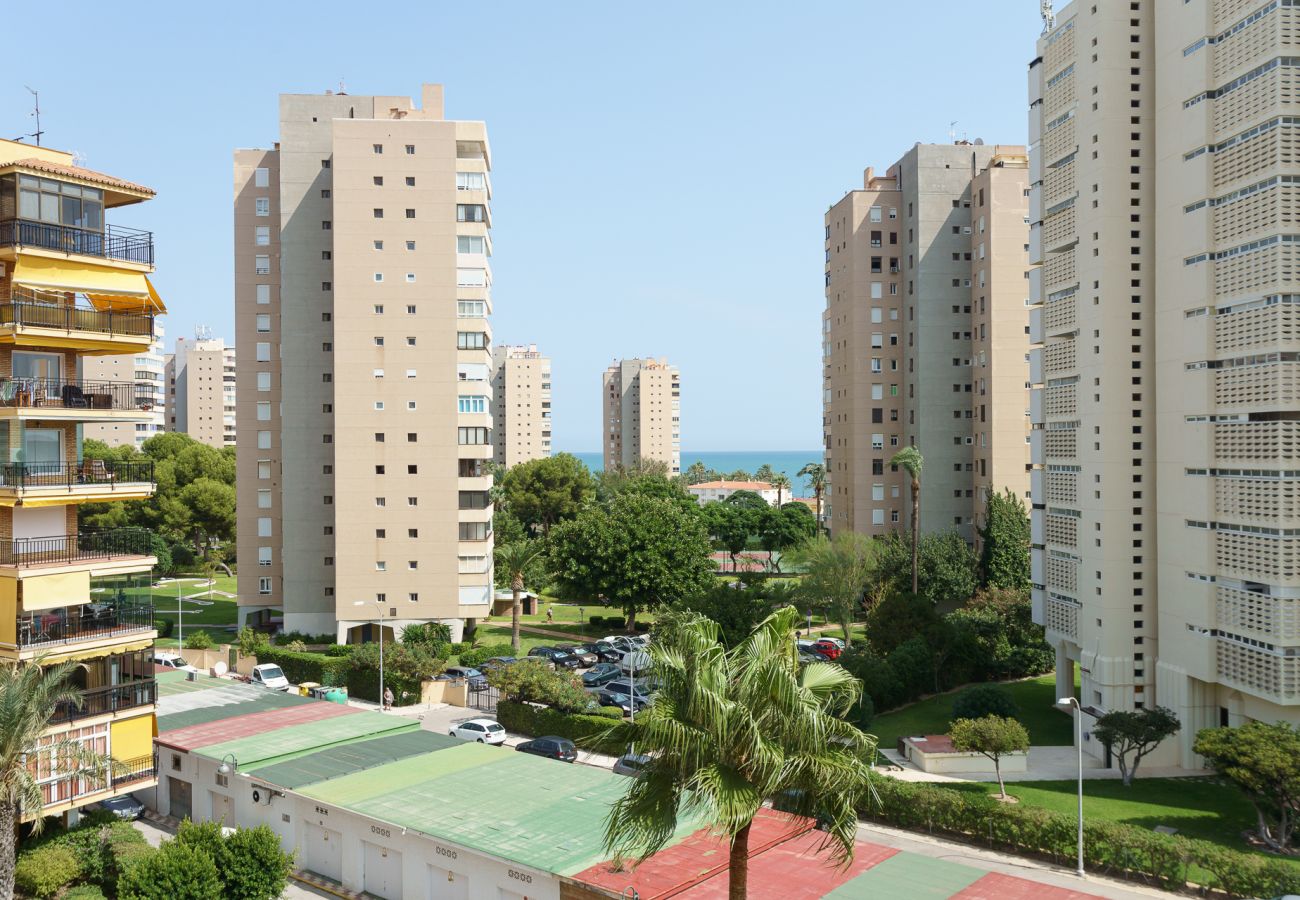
(179, 792)
(444, 884)
(221, 809)
(382, 875)
(323, 853)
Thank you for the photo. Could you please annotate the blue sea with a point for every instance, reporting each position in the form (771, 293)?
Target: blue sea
(727, 461)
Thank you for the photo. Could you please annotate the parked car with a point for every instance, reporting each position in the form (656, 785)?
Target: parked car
(484, 731)
(622, 701)
(476, 679)
(812, 656)
(601, 674)
(269, 676)
(551, 747)
(636, 660)
(607, 653)
(124, 807)
(631, 764)
(838, 642)
(496, 662)
(560, 659)
(828, 648)
(620, 642)
(585, 656)
(174, 661)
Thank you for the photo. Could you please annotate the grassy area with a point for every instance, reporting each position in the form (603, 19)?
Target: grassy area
(1035, 697)
(217, 618)
(497, 634)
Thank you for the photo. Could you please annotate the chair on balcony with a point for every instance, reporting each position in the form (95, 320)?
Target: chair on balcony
(95, 471)
(73, 398)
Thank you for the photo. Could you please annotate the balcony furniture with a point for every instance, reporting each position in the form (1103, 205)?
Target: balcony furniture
(73, 397)
(99, 401)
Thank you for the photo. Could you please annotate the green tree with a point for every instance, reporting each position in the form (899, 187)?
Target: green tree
(1263, 761)
(765, 472)
(30, 694)
(947, 566)
(637, 551)
(547, 490)
(1001, 635)
(781, 528)
(252, 865)
(994, 737)
(737, 606)
(750, 500)
(1131, 734)
(781, 482)
(1004, 556)
(514, 560)
(612, 481)
(738, 475)
(838, 573)
(696, 473)
(176, 871)
(815, 472)
(731, 525)
(532, 680)
(910, 459)
(734, 729)
(651, 484)
(984, 700)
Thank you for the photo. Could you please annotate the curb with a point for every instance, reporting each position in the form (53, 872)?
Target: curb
(311, 879)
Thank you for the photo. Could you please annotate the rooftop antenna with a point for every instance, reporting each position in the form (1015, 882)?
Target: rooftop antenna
(36, 111)
(343, 88)
(1049, 17)
(952, 131)
(202, 332)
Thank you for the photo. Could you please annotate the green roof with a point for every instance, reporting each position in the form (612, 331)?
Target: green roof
(336, 762)
(179, 710)
(304, 739)
(540, 813)
(909, 875)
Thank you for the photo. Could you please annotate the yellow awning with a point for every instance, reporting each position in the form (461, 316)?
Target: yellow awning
(106, 286)
(97, 653)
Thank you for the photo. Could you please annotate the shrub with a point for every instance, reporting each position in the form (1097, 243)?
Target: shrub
(198, 640)
(525, 718)
(338, 650)
(459, 647)
(175, 871)
(478, 655)
(45, 871)
(300, 667)
(532, 680)
(596, 621)
(84, 892)
(205, 836)
(643, 627)
(253, 867)
(165, 627)
(296, 647)
(615, 622)
(984, 700)
(124, 848)
(405, 667)
(252, 642)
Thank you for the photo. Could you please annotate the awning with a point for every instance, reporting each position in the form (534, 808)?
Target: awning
(97, 653)
(106, 286)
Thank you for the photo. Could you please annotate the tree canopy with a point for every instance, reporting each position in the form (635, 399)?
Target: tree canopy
(544, 491)
(1130, 734)
(1263, 761)
(946, 566)
(1004, 556)
(838, 573)
(992, 736)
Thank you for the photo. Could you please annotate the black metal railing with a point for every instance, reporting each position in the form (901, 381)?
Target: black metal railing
(74, 319)
(102, 701)
(81, 623)
(138, 769)
(114, 242)
(69, 475)
(86, 545)
(59, 393)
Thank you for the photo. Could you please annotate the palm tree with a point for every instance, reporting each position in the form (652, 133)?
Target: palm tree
(513, 560)
(911, 460)
(781, 482)
(733, 729)
(816, 475)
(29, 697)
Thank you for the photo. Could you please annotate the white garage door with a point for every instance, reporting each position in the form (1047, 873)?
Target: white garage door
(382, 875)
(444, 884)
(323, 853)
(221, 808)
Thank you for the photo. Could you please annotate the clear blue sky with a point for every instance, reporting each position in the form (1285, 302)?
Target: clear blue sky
(660, 169)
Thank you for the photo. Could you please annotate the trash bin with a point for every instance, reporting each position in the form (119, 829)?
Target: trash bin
(305, 689)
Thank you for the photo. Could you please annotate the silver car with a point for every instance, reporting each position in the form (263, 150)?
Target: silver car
(631, 764)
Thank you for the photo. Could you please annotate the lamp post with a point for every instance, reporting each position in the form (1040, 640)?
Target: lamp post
(229, 763)
(1068, 702)
(380, 609)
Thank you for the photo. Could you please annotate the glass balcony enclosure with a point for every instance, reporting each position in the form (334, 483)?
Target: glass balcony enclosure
(53, 214)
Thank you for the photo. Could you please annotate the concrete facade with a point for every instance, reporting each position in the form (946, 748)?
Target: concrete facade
(148, 369)
(362, 319)
(202, 390)
(521, 404)
(905, 283)
(641, 400)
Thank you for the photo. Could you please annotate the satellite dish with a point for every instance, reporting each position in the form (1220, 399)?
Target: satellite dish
(979, 142)
(218, 670)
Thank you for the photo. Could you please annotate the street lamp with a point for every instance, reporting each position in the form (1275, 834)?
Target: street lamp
(229, 763)
(379, 607)
(1067, 702)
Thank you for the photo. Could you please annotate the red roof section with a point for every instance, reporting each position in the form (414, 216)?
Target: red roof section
(799, 869)
(932, 743)
(996, 886)
(732, 485)
(250, 724)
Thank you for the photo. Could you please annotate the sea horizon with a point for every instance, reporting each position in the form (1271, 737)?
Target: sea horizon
(788, 462)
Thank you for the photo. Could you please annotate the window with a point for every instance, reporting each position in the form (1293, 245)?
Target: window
(379, 341)
(471, 212)
(410, 341)
(472, 435)
(379, 309)
(379, 245)
(410, 149)
(410, 373)
(379, 437)
(410, 245)
(264, 499)
(379, 180)
(263, 293)
(379, 276)
(381, 565)
(410, 309)
(474, 531)
(379, 405)
(261, 265)
(410, 404)
(263, 556)
(468, 243)
(474, 500)
(412, 501)
(410, 214)
(471, 277)
(470, 309)
(263, 322)
(378, 148)
(326, 225)
(410, 181)
(264, 440)
(264, 526)
(471, 340)
(263, 468)
(470, 181)
(263, 351)
(263, 411)
(378, 213)
(875, 214)
(262, 206)
(471, 404)
(261, 178)
(263, 587)
(410, 277)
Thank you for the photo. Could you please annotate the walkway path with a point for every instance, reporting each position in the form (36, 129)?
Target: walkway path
(1045, 764)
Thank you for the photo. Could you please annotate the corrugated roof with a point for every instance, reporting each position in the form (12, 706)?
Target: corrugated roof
(243, 726)
(336, 762)
(303, 739)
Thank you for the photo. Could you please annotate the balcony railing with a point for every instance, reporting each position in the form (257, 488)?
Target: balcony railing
(114, 242)
(58, 393)
(68, 548)
(21, 307)
(102, 701)
(69, 788)
(53, 627)
(69, 475)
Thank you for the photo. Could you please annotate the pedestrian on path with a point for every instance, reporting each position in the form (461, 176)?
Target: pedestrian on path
(550, 616)
(388, 698)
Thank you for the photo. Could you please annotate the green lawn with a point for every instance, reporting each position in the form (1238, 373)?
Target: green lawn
(1035, 697)
(218, 619)
(497, 634)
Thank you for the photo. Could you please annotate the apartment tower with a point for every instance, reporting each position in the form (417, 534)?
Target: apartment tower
(641, 399)
(72, 288)
(148, 369)
(911, 260)
(521, 404)
(202, 390)
(362, 304)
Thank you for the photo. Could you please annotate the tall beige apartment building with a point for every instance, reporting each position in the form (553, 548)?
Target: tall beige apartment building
(362, 302)
(1165, 562)
(641, 399)
(925, 273)
(202, 390)
(147, 370)
(521, 404)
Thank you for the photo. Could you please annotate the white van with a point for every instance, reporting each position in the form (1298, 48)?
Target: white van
(165, 660)
(269, 676)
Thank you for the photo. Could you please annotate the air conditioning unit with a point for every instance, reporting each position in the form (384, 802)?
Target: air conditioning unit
(262, 795)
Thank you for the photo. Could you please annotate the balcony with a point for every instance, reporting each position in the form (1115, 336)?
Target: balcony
(88, 480)
(114, 242)
(129, 774)
(49, 628)
(58, 398)
(30, 310)
(107, 700)
(84, 547)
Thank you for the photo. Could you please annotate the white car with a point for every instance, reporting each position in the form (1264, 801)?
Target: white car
(269, 676)
(172, 661)
(485, 731)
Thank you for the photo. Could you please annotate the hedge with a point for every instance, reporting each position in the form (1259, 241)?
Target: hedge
(300, 667)
(476, 656)
(526, 718)
(1110, 848)
(46, 870)
(595, 621)
(364, 685)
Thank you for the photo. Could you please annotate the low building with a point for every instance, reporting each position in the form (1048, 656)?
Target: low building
(709, 491)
